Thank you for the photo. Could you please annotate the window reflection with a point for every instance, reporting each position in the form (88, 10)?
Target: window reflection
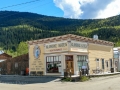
(53, 64)
(82, 63)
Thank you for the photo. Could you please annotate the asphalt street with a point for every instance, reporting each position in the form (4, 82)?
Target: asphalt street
(97, 83)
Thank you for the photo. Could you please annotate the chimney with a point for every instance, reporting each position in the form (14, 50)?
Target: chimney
(95, 37)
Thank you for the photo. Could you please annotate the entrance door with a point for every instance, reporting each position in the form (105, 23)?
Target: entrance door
(69, 64)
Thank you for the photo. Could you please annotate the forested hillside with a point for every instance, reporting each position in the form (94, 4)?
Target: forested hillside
(16, 27)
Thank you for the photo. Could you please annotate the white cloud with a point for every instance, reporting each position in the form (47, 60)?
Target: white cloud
(112, 9)
(88, 8)
(71, 8)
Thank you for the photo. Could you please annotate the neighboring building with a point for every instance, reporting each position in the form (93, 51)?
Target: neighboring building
(117, 58)
(70, 52)
(3, 58)
(14, 66)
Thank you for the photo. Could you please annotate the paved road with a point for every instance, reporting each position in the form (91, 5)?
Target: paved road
(101, 83)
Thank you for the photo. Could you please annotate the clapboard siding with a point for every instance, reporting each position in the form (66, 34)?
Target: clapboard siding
(99, 52)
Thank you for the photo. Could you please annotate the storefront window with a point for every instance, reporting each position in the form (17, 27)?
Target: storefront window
(59, 57)
(51, 59)
(82, 64)
(53, 64)
(82, 58)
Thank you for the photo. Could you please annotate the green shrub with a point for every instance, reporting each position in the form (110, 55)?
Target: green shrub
(66, 79)
(84, 78)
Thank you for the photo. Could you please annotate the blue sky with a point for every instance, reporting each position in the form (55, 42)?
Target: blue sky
(45, 7)
(79, 9)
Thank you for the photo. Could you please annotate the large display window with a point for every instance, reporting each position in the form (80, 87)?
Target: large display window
(82, 63)
(53, 64)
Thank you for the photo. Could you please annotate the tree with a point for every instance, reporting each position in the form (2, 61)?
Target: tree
(22, 48)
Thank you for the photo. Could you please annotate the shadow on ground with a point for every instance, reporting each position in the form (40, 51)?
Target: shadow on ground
(27, 79)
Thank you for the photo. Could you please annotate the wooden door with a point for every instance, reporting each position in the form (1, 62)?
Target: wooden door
(70, 65)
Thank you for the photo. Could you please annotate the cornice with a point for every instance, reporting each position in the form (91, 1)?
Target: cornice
(71, 37)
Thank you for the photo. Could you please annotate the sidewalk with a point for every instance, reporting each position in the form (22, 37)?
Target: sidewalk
(95, 75)
(104, 74)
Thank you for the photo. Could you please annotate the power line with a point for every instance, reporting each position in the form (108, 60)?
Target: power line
(9, 12)
(18, 13)
(19, 4)
(23, 7)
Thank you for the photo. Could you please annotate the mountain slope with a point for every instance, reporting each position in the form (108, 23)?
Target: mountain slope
(22, 26)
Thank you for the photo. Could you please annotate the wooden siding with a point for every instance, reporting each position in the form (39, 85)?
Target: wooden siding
(99, 52)
(8, 66)
(5, 56)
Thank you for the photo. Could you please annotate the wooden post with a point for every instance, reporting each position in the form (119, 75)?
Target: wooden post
(80, 72)
(70, 75)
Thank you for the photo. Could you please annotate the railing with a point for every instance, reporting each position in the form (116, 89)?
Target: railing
(97, 71)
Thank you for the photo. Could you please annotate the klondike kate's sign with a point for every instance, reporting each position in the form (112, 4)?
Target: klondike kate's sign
(66, 46)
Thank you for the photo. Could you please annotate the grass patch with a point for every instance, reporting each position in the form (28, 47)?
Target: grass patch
(77, 79)
(84, 78)
(67, 79)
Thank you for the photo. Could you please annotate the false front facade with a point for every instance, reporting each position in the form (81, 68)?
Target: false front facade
(69, 52)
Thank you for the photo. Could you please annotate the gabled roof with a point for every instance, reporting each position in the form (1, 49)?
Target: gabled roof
(71, 37)
(5, 56)
(21, 57)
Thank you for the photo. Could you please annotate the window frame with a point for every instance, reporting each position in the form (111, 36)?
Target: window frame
(53, 60)
(103, 63)
(97, 62)
(111, 63)
(107, 65)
